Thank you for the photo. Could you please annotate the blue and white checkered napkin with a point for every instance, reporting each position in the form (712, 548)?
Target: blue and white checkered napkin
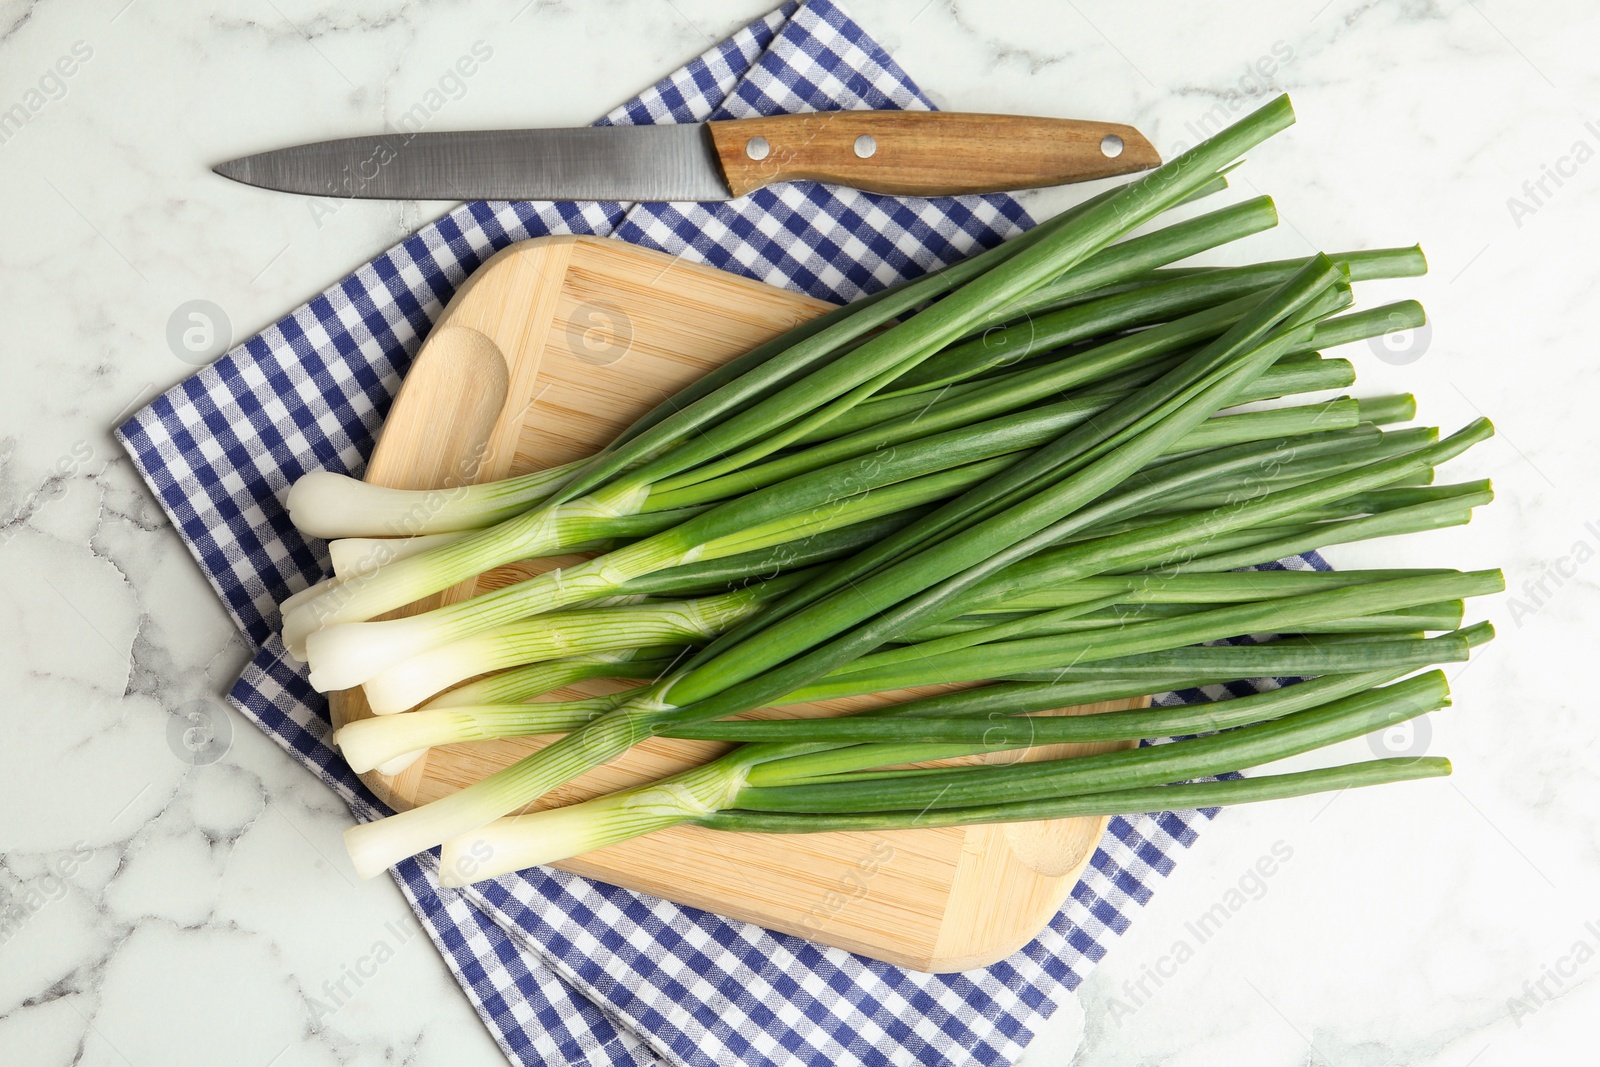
(563, 969)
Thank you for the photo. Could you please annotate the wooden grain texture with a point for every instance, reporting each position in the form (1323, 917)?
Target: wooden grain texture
(549, 349)
(919, 153)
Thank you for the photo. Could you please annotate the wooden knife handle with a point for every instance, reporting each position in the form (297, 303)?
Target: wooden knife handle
(925, 153)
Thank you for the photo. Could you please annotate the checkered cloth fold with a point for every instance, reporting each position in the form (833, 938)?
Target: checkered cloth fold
(563, 969)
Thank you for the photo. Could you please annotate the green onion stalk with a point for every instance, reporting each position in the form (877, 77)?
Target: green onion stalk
(809, 787)
(538, 679)
(563, 634)
(1386, 658)
(390, 743)
(331, 505)
(1285, 657)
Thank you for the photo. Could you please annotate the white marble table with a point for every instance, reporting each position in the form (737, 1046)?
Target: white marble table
(207, 915)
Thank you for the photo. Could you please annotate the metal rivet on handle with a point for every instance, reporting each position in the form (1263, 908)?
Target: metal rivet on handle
(1111, 146)
(866, 144)
(757, 148)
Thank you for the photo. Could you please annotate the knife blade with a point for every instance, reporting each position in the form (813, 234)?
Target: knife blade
(900, 152)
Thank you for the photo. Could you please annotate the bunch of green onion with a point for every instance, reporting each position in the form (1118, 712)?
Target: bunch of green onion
(1034, 469)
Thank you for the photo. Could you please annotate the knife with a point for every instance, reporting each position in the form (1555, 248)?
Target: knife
(913, 153)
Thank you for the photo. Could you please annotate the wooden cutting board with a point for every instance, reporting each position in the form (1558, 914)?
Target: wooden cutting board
(550, 349)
